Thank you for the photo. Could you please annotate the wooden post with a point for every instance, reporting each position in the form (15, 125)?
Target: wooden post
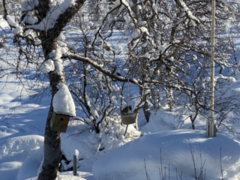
(75, 158)
(75, 165)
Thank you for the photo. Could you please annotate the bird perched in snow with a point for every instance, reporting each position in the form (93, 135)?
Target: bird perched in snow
(126, 110)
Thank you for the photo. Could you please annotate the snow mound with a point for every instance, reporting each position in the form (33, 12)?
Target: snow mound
(63, 102)
(5, 131)
(10, 166)
(160, 120)
(90, 145)
(171, 151)
(17, 145)
(8, 170)
(30, 167)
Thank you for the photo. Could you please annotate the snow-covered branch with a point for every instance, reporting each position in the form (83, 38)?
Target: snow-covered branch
(101, 69)
(184, 7)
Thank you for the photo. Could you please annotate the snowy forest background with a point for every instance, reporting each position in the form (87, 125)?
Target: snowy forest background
(91, 59)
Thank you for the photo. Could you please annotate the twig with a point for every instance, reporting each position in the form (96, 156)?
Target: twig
(221, 163)
(145, 167)
(192, 154)
(161, 169)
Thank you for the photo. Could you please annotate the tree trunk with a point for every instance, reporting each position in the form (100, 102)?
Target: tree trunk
(52, 142)
(193, 126)
(146, 112)
(52, 152)
(145, 108)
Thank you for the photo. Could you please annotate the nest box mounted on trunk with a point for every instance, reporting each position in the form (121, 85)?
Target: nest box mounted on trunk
(59, 122)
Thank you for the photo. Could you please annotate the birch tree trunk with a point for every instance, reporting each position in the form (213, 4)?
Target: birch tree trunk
(52, 142)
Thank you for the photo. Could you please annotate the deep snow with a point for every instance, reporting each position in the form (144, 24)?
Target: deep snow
(21, 140)
(161, 145)
(161, 154)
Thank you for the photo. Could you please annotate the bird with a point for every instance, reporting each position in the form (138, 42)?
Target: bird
(126, 110)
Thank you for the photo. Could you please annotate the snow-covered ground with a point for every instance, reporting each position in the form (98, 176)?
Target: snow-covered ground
(22, 134)
(161, 146)
(160, 155)
(166, 149)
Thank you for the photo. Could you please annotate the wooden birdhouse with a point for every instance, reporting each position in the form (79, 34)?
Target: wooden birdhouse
(59, 122)
(129, 118)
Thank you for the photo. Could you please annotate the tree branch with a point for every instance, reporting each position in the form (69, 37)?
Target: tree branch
(104, 71)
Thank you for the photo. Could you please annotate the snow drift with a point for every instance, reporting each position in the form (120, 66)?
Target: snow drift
(165, 153)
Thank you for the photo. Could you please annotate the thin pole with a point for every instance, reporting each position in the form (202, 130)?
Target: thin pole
(210, 124)
(128, 96)
(74, 165)
(75, 157)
